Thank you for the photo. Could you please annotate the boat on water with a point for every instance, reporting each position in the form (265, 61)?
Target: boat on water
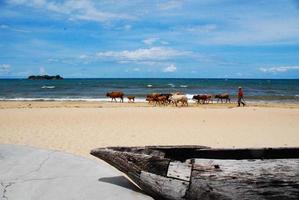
(200, 172)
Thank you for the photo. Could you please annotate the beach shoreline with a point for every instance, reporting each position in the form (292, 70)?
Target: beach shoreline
(78, 127)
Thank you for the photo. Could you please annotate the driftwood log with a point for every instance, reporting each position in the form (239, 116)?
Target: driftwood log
(199, 172)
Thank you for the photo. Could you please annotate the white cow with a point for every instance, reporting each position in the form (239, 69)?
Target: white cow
(176, 98)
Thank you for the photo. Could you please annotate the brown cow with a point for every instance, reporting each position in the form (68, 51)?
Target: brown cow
(114, 95)
(203, 98)
(131, 99)
(200, 98)
(161, 100)
(224, 96)
(151, 98)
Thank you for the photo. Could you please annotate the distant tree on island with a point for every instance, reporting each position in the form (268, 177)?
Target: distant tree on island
(44, 77)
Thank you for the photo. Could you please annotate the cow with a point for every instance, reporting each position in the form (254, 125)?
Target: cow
(151, 98)
(161, 100)
(131, 99)
(224, 96)
(179, 98)
(167, 101)
(114, 95)
(202, 98)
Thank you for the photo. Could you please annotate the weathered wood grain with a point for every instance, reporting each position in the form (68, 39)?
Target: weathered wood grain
(180, 170)
(162, 187)
(244, 179)
(132, 164)
(160, 172)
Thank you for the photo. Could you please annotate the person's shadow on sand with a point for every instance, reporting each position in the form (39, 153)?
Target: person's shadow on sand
(120, 181)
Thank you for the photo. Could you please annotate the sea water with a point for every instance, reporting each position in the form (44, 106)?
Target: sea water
(256, 90)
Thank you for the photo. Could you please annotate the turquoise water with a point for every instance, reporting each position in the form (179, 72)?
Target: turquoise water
(95, 89)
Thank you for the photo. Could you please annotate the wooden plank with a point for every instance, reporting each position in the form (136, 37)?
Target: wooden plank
(162, 187)
(180, 170)
(244, 179)
(132, 164)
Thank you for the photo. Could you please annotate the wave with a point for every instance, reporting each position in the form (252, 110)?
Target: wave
(171, 85)
(183, 86)
(48, 87)
(149, 85)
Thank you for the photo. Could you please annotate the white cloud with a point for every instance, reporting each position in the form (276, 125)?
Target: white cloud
(279, 69)
(150, 41)
(170, 68)
(73, 9)
(4, 68)
(146, 54)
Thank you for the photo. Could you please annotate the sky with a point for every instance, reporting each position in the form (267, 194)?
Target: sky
(150, 39)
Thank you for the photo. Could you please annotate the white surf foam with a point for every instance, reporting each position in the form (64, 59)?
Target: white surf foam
(48, 87)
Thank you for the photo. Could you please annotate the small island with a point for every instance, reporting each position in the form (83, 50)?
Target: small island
(44, 77)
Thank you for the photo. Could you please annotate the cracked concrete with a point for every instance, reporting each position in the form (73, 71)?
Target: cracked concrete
(5, 187)
(28, 173)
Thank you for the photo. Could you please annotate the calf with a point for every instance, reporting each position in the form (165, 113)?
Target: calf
(131, 99)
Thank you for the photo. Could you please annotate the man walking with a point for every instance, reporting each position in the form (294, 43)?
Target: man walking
(241, 97)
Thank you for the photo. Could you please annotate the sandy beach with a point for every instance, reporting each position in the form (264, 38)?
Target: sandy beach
(78, 127)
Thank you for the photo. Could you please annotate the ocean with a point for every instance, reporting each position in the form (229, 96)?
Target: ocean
(256, 90)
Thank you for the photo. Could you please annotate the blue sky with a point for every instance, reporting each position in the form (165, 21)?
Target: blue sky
(135, 38)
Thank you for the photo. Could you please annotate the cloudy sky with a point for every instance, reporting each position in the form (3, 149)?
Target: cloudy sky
(135, 38)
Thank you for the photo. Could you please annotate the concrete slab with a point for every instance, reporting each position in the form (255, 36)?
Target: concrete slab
(28, 173)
